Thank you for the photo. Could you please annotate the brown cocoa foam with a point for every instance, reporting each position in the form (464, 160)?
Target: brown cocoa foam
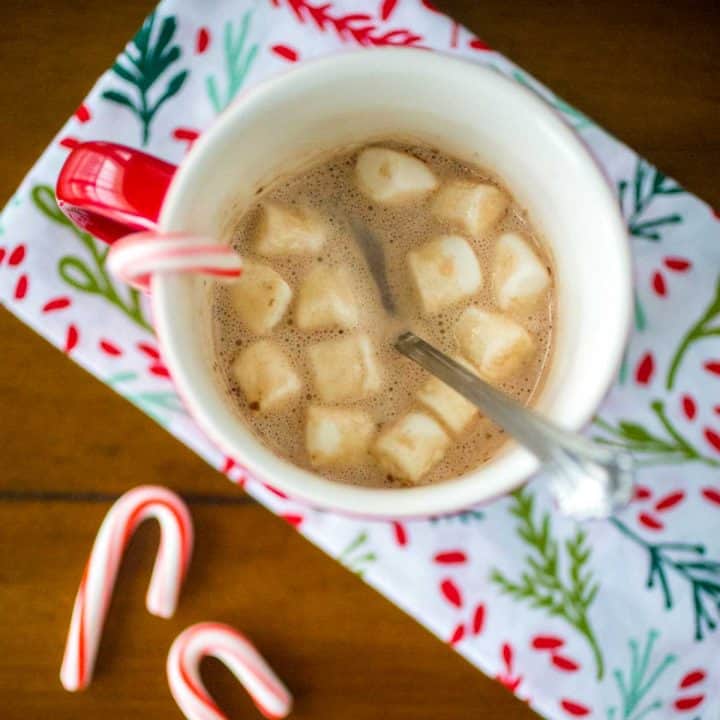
(329, 187)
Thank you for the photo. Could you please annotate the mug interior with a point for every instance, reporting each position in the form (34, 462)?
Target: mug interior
(464, 110)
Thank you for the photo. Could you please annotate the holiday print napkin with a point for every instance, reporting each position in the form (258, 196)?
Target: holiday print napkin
(615, 620)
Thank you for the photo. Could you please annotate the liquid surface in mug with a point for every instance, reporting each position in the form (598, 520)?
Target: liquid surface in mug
(304, 342)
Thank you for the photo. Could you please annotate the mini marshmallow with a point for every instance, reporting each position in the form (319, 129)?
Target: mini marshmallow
(265, 376)
(326, 300)
(289, 230)
(495, 344)
(449, 406)
(519, 277)
(337, 436)
(345, 369)
(409, 448)
(445, 271)
(391, 178)
(260, 297)
(475, 207)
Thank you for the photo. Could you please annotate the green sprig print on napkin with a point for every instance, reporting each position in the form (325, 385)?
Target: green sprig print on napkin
(648, 184)
(687, 561)
(356, 557)
(141, 65)
(707, 325)
(465, 517)
(88, 277)
(640, 679)
(160, 406)
(543, 584)
(671, 447)
(238, 59)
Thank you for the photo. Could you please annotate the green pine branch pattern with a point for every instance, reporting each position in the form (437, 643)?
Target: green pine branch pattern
(652, 449)
(239, 56)
(688, 562)
(141, 64)
(640, 679)
(356, 556)
(543, 584)
(636, 197)
(707, 325)
(89, 276)
(465, 517)
(160, 406)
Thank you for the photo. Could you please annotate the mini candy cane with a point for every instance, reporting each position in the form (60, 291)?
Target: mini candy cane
(96, 586)
(135, 258)
(226, 644)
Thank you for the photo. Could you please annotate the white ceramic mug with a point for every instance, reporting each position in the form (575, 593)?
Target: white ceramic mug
(464, 110)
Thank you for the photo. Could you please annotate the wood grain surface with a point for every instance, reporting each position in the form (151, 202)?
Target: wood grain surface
(648, 71)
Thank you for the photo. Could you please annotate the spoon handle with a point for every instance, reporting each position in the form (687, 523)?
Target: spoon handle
(588, 480)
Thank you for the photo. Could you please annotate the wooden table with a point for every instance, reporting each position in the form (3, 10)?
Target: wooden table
(648, 71)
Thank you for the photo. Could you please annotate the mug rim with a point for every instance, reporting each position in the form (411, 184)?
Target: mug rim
(420, 501)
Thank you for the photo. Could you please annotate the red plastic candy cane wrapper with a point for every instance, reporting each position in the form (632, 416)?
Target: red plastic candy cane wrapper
(227, 645)
(96, 586)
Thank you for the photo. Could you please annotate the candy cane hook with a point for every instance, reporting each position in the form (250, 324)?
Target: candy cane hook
(96, 586)
(226, 644)
(135, 258)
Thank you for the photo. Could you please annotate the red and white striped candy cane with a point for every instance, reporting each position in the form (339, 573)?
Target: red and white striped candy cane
(226, 644)
(96, 586)
(135, 258)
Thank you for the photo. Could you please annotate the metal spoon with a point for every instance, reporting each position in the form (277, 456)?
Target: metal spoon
(588, 480)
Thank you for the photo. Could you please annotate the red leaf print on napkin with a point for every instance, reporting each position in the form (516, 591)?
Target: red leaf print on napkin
(110, 348)
(658, 284)
(645, 369)
(574, 708)
(713, 366)
(69, 142)
(650, 521)
(21, 287)
(478, 621)
(547, 642)
(159, 370)
(17, 256)
(688, 703)
(148, 350)
(58, 303)
(457, 635)
(387, 7)
(451, 557)
(711, 494)
(692, 678)
(677, 264)
(400, 534)
(294, 520)
(670, 500)
(71, 338)
(286, 52)
(689, 407)
(451, 593)
(508, 677)
(478, 44)
(713, 438)
(82, 113)
(564, 663)
(202, 40)
(356, 27)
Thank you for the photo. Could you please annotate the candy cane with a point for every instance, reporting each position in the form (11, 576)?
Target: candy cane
(226, 644)
(135, 258)
(96, 586)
